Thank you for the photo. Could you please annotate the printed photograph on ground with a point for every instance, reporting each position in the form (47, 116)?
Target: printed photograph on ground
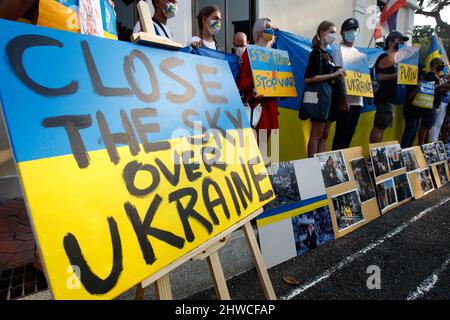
(395, 158)
(312, 229)
(431, 154)
(334, 170)
(402, 188)
(364, 183)
(442, 173)
(379, 161)
(426, 181)
(410, 160)
(347, 209)
(284, 182)
(386, 194)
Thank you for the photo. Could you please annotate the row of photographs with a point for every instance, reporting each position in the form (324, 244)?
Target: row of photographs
(434, 153)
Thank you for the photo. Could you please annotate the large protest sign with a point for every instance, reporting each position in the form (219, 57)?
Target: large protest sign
(272, 72)
(130, 157)
(425, 97)
(408, 65)
(357, 80)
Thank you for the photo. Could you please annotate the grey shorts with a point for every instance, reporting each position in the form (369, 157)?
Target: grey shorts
(384, 116)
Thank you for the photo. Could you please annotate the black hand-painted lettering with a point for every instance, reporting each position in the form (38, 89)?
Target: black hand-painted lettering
(233, 196)
(202, 71)
(166, 66)
(245, 192)
(111, 139)
(238, 124)
(257, 179)
(144, 230)
(189, 212)
(212, 204)
(97, 81)
(143, 129)
(173, 178)
(191, 168)
(129, 73)
(129, 175)
(92, 283)
(73, 124)
(15, 51)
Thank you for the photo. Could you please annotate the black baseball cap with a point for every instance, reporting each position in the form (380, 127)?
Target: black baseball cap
(394, 35)
(350, 24)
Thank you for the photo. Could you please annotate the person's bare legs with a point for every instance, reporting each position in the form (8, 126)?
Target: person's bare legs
(317, 131)
(424, 134)
(376, 136)
(323, 143)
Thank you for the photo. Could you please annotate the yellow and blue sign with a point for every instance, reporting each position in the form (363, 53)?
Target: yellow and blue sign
(272, 72)
(408, 65)
(357, 80)
(130, 157)
(425, 97)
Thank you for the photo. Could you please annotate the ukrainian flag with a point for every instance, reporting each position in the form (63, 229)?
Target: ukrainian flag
(436, 51)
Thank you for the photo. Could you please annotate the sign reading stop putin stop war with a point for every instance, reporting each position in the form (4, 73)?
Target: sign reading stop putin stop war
(130, 157)
(272, 72)
(357, 80)
(408, 61)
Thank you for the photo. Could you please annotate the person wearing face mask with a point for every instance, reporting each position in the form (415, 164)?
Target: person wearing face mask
(321, 74)
(239, 44)
(386, 94)
(437, 65)
(442, 111)
(164, 10)
(263, 33)
(347, 116)
(209, 20)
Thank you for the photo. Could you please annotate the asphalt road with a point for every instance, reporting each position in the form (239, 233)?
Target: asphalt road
(410, 245)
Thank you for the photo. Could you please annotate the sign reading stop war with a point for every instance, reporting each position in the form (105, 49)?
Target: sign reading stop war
(130, 157)
(357, 80)
(408, 61)
(272, 72)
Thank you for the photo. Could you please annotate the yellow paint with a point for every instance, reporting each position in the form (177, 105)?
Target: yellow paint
(65, 199)
(274, 84)
(291, 214)
(54, 15)
(358, 84)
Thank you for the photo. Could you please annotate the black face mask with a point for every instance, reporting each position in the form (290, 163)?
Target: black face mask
(440, 68)
(397, 46)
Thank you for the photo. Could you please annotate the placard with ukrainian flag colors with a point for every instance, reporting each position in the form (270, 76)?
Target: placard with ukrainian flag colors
(408, 65)
(357, 80)
(130, 157)
(272, 72)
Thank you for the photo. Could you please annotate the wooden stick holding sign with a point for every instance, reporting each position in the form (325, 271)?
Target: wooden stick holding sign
(148, 36)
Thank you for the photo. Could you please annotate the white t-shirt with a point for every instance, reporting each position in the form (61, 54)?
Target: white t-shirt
(208, 44)
(342, 52)
(160, 32)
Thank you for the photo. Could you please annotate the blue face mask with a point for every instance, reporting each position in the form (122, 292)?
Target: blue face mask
(350, 36)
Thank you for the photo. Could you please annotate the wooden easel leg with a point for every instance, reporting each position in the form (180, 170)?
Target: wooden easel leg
(216, 271)
(259, 262)
(139, 295)
(163, 289)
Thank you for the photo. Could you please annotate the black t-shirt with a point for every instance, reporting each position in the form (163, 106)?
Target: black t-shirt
(317, 57)
(432, 77)
(387, 90)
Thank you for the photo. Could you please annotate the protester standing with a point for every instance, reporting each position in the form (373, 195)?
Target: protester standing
(386, 95)
(164, 10)
(320, 73)
(348, 114)
(263, 33)
(240, 43)
(209, 20)
(441, 114)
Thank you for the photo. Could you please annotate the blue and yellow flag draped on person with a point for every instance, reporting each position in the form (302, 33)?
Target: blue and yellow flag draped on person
(437, 50)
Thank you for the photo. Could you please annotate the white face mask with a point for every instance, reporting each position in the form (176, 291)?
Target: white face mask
(330, 38)
(240, 51)
(214, 26)
(170, 10)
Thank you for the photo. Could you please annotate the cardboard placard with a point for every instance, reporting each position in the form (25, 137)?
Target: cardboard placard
(272, 72)
(350, 189)
(357, 80)
(390, 173)
(408, 62)
(122, 170)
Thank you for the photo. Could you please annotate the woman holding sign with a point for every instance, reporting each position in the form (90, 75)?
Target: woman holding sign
(264, 36)
(319, 77)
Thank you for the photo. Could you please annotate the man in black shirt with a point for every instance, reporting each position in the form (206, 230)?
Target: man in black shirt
(386, 95)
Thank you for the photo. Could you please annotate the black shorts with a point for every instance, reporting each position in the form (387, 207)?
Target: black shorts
(427, 116)
(384, 115)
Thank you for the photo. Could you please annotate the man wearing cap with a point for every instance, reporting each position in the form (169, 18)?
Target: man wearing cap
(386, 95)
(347, 116)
